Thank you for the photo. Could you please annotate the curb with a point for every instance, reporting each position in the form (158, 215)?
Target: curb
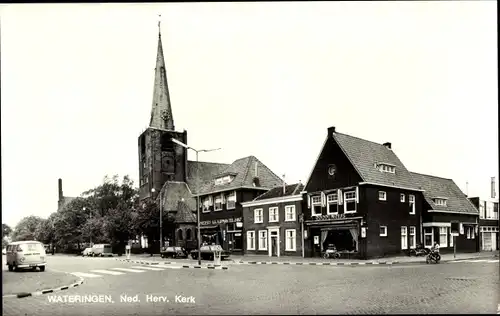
(173, 264)
(46, 291)
(319, 263)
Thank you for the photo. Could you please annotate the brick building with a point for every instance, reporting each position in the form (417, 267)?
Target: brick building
(488, 223)
(272, 222)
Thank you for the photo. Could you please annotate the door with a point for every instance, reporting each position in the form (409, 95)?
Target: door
(487, 241)
(230, 241)
(274, 246)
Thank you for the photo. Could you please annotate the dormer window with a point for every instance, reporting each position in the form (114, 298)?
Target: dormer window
(440, 201)
(224, 180)
(383, 167)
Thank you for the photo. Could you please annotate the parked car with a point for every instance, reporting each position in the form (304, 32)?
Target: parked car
(4, 251)
(102, 250)
(26, 255)
(87, 252)
(173, 252)
(208, 252)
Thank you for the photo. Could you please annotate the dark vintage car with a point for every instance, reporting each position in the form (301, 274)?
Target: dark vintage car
(173, 252)
(208, 252)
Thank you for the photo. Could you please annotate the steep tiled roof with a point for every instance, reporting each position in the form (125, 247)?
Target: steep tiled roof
(184, 214)
(173, 192)
(444, 188)
(276, 192)
(244, 171)
(364, 154)
(207, 171)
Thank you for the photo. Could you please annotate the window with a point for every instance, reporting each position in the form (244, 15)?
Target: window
(440, 202)
(179, 234)
(290, 240)
(428, 237)
(402, 197)
(218, 203)
(205, 206)
(350, 202)
(482, 210)
(251, 240)
(411, 199)
(257, 216)
(332, 203)
(383, 231)
(413, 237)
(387, 168)
(404, 237)
(443, 236)
(289, 213)
(316, 205)
(273, 214)
(188, 234)
(262, 239)
(451, 238)
(469, 230)
(382, 196)
(231, 201)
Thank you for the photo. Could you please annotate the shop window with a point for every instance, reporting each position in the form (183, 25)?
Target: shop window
(332, 201)
(273, 214)
(443, 236)
(251, 240)
(428, 237)
(290, 240)
(383, 231)
(263, 240)
(258, 216)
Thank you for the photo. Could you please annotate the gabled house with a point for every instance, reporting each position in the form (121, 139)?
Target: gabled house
(272, 222)
(361, 198)
(221, 217)
(488, 223)
(445, 203)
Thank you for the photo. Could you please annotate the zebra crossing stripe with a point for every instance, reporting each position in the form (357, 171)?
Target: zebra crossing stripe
(147, 268)
(129, 270)
(86, 275)
(107, 272)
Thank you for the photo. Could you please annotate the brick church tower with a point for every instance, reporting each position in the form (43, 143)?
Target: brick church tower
(160, 159)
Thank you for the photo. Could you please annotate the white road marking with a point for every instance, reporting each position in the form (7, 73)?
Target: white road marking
(129, 270)
(86, 275)
(147, 268)
(107, 272)
(493, 261)
(482, 260)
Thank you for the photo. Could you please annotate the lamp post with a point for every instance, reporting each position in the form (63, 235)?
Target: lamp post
(161, 218)
(90, 233)
(197, 193)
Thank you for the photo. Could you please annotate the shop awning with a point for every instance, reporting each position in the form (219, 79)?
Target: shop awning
(214, 227)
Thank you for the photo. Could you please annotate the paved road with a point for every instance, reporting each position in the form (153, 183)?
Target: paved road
(461, 287)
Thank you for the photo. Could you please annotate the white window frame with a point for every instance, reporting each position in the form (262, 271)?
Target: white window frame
(382, 196)
(205, 208)
(263, 240)
(313, 204)
(411, 201)
(231, 198)
(413, 237)
(287, 209)
(429, 234)
(404, 238)
(451, 237)
(347, 200)
(277, 212)
(293, 240)
(258, 211)
(385, 229)
(471, 230)
(251, 240)
(440, 202)
(445, 234)
(387, 168)
(402, 197)
(218, 198)
(330, 201)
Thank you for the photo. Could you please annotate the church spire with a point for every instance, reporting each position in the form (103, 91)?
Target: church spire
(161, 111)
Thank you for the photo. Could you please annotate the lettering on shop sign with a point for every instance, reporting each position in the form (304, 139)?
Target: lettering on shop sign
(221, 221)
(329, 217)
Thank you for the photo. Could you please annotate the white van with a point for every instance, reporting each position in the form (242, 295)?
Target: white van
(26, 254)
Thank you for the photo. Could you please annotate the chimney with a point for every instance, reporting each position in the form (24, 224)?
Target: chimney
(387, 145)
(61, 196)
(331, 130)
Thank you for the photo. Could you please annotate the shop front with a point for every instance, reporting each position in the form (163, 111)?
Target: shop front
(489, 238)
(338, 231)
(227, 232)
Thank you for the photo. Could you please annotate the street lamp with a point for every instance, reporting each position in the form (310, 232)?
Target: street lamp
(90, 226)
(161, 218)
(197, 193)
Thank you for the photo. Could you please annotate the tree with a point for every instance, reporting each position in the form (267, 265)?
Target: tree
(6, 230)
(26, 228)
(45, 231)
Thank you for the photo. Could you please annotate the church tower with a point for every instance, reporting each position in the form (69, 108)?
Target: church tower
(160, 159)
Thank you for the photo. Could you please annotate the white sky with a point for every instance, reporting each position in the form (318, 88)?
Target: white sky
(262, 79)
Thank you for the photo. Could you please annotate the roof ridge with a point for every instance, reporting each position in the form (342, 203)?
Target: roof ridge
(345, 154)
(215, 163)
(429, 175)
(366, 140)
(272, 172)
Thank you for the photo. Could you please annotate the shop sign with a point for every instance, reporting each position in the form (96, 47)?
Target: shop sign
(221, 221)
(329, 217)
(363, 232)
